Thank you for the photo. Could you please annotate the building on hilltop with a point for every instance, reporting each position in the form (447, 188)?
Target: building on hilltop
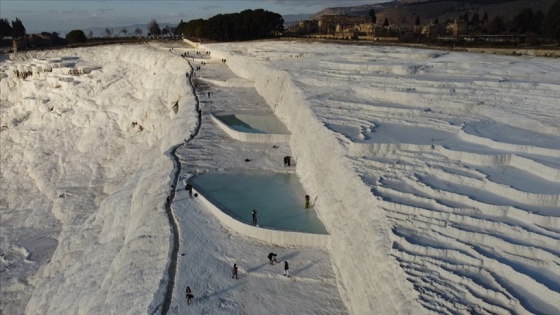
(361, 27)
(434, 30)
(338, 24)
(460, 27)
(39, 40)
(309, 26)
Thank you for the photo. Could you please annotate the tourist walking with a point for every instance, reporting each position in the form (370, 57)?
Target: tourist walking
(189, 189)
(234, 271)
(188, 295)
(254, 213)
(286, 269)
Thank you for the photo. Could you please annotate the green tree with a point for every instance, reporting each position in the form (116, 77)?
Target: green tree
(108, 32)
(475, 20)
(124, 30)
(153, 27)
(245, 25)
(18, 30)
(551, 23)
(372, 16)
(496, 26)
(465, 17)
(436, 21)
(138, 31)
(165, 30)
(76, 36)
(485, 18)
(386, 22)
(527, 22)
(538, 21)
(5, 28)
(416, 22)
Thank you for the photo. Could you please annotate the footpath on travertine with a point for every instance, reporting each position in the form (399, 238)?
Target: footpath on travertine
(208, 248)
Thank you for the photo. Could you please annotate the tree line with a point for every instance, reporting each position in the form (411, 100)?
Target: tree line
(245, 25)
(15, 30)
(525, 22)
(259, 23)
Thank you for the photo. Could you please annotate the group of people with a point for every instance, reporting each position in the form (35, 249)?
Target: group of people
(206, 53)
(185, 55)
(188, 187)
(272, 259)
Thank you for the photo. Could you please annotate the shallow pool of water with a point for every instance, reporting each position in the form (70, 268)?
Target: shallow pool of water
(278, 198)
(254, 123)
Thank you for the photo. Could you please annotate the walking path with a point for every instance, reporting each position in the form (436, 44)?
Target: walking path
(172, 269)
(207, 250)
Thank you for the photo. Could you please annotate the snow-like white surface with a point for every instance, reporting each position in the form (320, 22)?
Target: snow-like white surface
(416, 159)
(436, 174)
(84, 182)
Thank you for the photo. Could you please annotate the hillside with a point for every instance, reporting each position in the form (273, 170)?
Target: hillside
(404, 12)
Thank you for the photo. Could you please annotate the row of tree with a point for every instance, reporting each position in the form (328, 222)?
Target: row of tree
(78, 36)
(17, 30)
(256, 24)
(154, 29)
(245, 25)
(525, 22)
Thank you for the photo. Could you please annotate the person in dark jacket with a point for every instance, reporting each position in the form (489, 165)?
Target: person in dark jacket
(188, 295)
(272, 258)
(188, 188)
(234, 271)
(286, 269)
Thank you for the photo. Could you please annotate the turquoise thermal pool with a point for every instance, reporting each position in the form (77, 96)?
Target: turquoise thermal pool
(278, 198)
(254, 123)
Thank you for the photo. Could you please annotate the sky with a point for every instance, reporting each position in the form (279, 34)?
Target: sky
(58, 16)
